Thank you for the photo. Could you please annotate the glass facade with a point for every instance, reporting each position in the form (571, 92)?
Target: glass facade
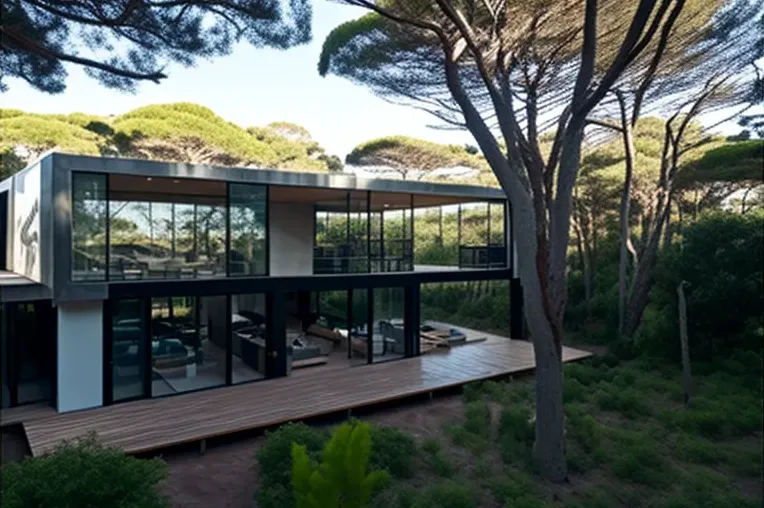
(249, 337)
(161, 228)
(129, 328)
(188, 344)
(248, 219)
(28, 352)
(388, 339)
(89, 219)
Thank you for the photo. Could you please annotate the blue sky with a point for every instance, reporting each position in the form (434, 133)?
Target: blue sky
(257, 86)
(254, 87)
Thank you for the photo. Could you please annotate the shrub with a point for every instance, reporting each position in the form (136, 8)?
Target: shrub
(275, 457)
(447, 495)
(442, 465)
(583, 428)
(721, 259)
(83, 473)
(574, 391)
(526, 502)
(477, 418)
(472, 392)
(516, 434)
(393, 450)
(697, 450)
(341, 479)
(514, 486)
(627, 401)
(431, 445)
(642, 463)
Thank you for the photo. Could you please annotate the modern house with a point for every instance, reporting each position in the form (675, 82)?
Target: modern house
(128, 279)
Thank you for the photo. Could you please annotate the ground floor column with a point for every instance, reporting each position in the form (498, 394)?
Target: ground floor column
(80, 355)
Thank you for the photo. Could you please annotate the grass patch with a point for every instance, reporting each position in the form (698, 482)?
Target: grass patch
(641, 462)
(477, 419)
(447, 495)
(516, 434)
(627, 401)
(393, 450)
(697, 450)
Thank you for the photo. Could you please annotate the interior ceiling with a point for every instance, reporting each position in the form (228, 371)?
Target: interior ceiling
(336, 198)
(127, 187)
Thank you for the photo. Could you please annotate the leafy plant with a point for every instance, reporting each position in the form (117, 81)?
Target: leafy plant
(275, 461)
(83, 473)
(341, 479)
(393, 450)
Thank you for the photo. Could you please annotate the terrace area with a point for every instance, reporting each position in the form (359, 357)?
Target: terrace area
(156, 424)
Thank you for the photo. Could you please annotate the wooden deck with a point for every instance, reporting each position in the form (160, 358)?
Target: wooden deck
(159, 423)
(27, 413)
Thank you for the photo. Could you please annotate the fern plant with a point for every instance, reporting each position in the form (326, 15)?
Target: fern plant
(341, 479)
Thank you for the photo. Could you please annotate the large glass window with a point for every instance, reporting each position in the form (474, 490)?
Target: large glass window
(88, 227)
(249, 336)
(463, 313)
(188, 349)
(129, 329)
(166, 228)
(248, 204)
(388, 339)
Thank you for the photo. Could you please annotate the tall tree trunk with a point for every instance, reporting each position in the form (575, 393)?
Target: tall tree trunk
(686, 373)
(643, 275)
(549, 445)
(583, 256)
(623, 262)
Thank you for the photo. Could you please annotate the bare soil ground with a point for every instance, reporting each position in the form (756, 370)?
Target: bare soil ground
(226, 475)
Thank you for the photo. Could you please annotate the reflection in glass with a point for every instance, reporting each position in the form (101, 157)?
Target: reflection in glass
(128, 342)
(463, 311)
(187, 344)
(88, 226)
(167, 234)
(360, 327)
(388, 339)
(248, 229)
(249, 337)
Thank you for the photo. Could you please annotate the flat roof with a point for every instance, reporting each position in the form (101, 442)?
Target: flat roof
(336, 181)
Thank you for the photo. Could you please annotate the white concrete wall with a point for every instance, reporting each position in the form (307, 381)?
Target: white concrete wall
(291, 239)
(80, 355)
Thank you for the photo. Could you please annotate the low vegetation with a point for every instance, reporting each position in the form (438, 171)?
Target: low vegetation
(83, 474)
(631, 443)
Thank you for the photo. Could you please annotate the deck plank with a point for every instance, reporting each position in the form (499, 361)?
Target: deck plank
(159, 423)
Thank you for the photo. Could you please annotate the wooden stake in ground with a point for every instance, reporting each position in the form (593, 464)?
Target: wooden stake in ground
(687, 375)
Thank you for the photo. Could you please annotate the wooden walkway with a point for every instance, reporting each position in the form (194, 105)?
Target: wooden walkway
(148, 425)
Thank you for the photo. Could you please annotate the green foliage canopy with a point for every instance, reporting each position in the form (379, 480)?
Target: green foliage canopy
(121, 43)
(407, 155)
(180, 132)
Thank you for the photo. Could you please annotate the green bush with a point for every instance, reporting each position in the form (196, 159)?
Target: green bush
(721, 259)
(627, 401)
(477, 418)
(583, 429)
(341, 479)
(526, 502)
(84, 474)
(706, 489)
(275, 461)
(442, 465)
(516, 434)
(447, 495)
(514, 485)
(642, 463)
(431, 445)
(697, 450)
(393, 450)
(574, 391)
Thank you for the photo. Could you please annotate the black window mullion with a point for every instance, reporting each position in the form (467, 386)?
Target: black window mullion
(370, 325)
(147, 339)
(228, 342)
(368, 231)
